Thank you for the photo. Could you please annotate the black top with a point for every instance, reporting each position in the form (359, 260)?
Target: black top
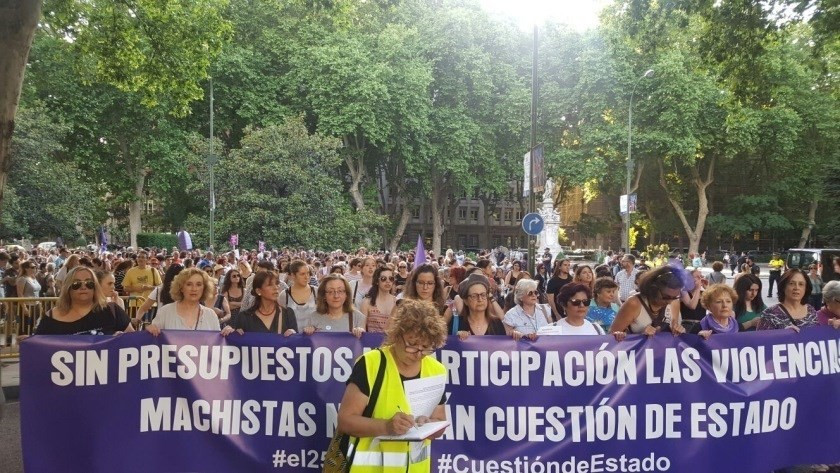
(359, 378)
(98, 321)
(249, 321)
(494, 326)
(556, 283)
(696, 313)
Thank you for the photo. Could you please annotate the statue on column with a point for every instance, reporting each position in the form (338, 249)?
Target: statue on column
(548, 238)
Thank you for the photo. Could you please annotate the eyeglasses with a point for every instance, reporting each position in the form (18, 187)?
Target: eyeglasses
(235, 276)
(425, 283)
(580, 302)
(78, 285)
(337, 293)
(531, 293)
(410, 349)
(386, 278)
(481, 296)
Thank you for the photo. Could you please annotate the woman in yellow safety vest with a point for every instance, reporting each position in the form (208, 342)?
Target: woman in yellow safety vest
(415, 332)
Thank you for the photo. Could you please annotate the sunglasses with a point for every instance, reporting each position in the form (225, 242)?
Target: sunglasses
(580, 302)
(666, 297)
(531, 293)
(386, 278)
(78, 285)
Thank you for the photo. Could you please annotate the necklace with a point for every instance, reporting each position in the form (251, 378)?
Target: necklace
(270, 311)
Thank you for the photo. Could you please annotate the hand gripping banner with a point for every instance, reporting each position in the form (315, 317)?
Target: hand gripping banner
(192, 401)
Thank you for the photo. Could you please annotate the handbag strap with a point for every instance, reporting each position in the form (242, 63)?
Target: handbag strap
(374, 396)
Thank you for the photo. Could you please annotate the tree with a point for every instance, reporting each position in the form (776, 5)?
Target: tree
(49, 197)
(158, 50)
(280, 187)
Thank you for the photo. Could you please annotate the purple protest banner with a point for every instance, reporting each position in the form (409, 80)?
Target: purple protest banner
(193, 401)
(234, 240)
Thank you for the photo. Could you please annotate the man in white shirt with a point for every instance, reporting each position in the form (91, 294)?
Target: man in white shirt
(626, 277)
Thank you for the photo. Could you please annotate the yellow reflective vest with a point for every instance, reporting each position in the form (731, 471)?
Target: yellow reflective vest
(373, 456)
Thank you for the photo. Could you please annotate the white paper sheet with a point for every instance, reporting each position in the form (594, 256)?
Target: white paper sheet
(424, 395)
(550, 330)
(417, 433)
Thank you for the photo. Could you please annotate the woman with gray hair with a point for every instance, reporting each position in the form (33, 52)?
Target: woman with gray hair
(526, 317)
(830, 314)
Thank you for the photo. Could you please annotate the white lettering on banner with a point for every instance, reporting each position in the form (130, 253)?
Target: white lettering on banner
(792, 360)
(227, 416)
(218, 362)
(761, 417)
(90, 368)
(470, 367)
(597, 463)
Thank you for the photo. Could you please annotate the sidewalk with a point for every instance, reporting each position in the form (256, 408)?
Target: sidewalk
(10, 378)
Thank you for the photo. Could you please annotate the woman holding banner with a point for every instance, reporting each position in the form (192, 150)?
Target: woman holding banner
(190, 288)
(575, 298)
(476, 318)
(82, 309)
(793, 311)
(656, 307)
(414, 334)
(265, 315)
(527, 316)
(334, 311)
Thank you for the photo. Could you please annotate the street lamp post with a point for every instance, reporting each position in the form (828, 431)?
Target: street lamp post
(532, 201)
(212, 159)
(625, 237)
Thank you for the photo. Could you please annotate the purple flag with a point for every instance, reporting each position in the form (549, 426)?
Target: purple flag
(419, 252)
(103, 239)
(261, 246)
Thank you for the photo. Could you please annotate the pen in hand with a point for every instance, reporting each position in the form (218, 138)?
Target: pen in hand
(413, 425)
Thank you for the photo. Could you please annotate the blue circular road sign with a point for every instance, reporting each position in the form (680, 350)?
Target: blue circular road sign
(533, 223)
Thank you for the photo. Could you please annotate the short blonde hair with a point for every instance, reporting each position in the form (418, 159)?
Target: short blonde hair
(64, 302)
(419, 318)
(184, 276)
(716, 290)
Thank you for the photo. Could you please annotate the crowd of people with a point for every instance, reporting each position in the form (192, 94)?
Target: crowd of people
(288, 292)
(414, 299)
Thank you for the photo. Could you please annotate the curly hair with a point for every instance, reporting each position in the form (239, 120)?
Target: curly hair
(184, 276)
(418, 318)
(716, 290)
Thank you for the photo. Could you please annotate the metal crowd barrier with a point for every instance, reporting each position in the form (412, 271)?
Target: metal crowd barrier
(19, 316)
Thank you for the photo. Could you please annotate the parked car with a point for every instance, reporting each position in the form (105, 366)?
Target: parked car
(803, 258)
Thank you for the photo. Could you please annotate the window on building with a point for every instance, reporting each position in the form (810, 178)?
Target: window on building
(507, 215)
(518, 215)
(474, 241)
(462, 213)
(474, 215)
(415, 213)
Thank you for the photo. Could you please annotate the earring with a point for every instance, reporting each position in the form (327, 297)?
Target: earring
(259, 294)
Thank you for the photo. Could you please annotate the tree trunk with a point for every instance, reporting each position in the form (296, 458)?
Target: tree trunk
(18, 20)
(354, 157)
(405, 215)
(438, 206)
(806, 230)
(700, 185)
(135, 208)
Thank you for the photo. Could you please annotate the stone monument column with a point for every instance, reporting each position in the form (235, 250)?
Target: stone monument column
(548, 237)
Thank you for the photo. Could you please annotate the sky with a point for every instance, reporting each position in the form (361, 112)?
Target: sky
(579, 14)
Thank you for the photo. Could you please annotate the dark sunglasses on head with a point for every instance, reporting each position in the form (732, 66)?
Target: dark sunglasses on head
(580, 302)
(386, 278)
(78, 285)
